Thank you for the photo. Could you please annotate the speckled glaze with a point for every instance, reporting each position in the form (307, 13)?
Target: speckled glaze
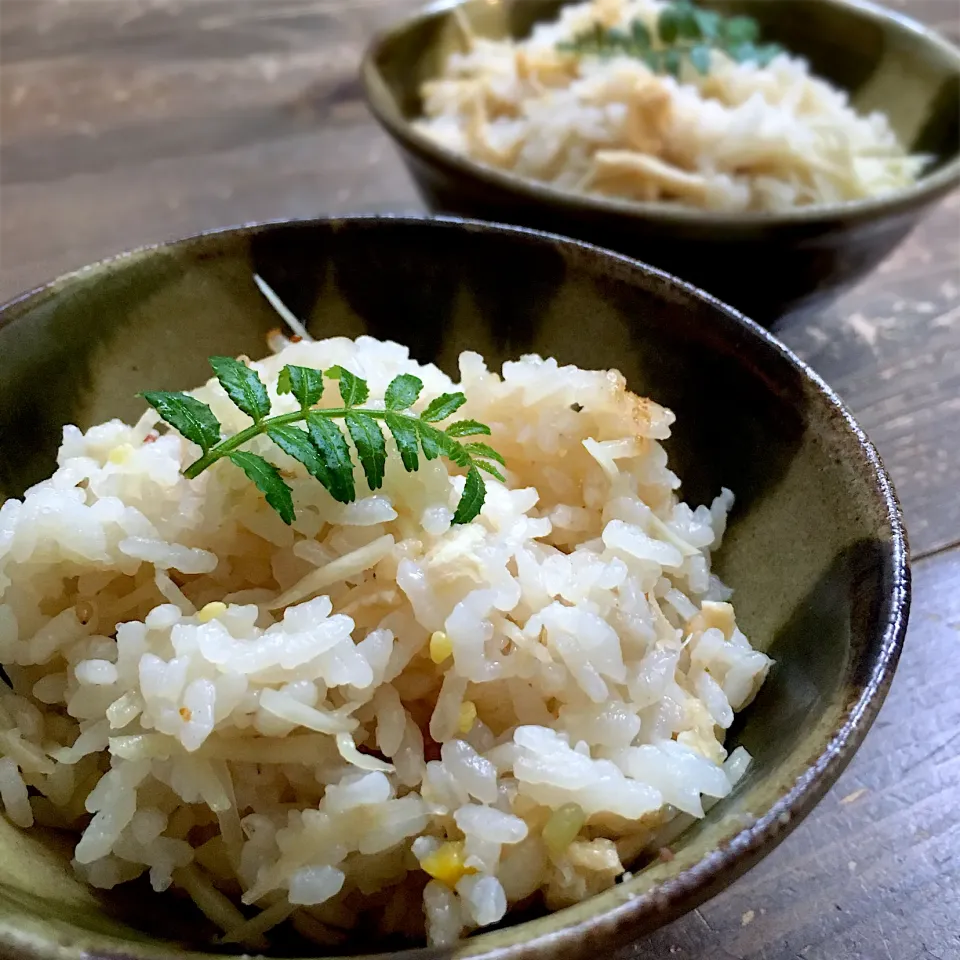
(766, 265)
(815, 548)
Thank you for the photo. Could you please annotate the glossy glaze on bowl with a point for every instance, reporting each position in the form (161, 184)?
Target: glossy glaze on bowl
(764, 264)
(815, 549)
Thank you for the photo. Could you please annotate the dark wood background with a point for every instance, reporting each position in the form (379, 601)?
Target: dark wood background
(125, 122)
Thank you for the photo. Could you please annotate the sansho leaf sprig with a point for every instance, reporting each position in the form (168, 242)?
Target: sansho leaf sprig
(684, 33)
(323, 447)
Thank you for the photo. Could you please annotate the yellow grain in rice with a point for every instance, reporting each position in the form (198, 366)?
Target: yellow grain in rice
(441, 647)
(446, 864)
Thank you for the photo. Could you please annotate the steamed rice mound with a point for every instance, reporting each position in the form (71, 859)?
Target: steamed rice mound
(371, 715)
(742, 137)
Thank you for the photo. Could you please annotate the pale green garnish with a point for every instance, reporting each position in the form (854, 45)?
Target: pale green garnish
(684, 33)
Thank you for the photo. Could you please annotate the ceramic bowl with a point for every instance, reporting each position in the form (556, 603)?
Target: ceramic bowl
(766, 265)
(815, 549)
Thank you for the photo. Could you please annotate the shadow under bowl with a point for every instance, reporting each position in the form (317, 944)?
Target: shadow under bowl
(815, 549)
(765, 265)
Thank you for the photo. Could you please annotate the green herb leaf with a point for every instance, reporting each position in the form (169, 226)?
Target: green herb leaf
(243, 385)
(768, 52)
(668, 25)
(467, 428)
(457, 453)
(405, 433)
(323, 448)
(484, 450)
(297, 443)
(353, 390)
(402, 392)
(749, 52)
(709, 22)
(618, 40)
(268, 481)
(471, 500)
(700, 58)
(490, 468)
(599, 37)
(433, 441)
(738, 30)
(305, 383)
(371, 448)
(640, 34)
(186, 414)
(688, 26)
(444, 406)
(672, 61)
(684, 32)
(336, 472)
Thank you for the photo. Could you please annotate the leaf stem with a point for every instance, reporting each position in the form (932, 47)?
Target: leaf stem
(225, 447)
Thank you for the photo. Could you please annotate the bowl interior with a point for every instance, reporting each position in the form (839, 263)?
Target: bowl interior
(884, 61)
(813, 548)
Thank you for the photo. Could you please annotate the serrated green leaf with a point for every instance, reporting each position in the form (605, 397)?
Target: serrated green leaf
(456, 453)
(438, 443)
(444, 406)
(688, 27)
(433, 441)
(700, 58)
(740, 30)
(186, 414)
(767, 53)
(672, 61)
(484, 450)
(268, 481)
(402, 392)
(334, 454)
(353, 390)
(617, 40)
(491, 469)
(471, 500)
(467, 428)
(243, 385)
(667, 25)
(709, 22)
(405, 433)
(297, 443)
(739, 52)
(746, 53)
(640, 34)
(305, 383)
(684, 32)
(371, 448)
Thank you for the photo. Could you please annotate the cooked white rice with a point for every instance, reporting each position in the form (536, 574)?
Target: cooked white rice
(742, 137)
(372, 713)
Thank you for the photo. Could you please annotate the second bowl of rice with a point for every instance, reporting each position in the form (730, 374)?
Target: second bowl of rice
(772, 171)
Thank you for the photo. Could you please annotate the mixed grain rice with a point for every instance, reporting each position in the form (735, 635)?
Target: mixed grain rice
(742, 137)
(371, 715)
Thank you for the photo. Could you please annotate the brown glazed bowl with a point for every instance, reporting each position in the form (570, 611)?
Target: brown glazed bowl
(765, 265)
(815, 549)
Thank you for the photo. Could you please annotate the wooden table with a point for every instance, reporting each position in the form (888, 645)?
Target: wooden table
(130, 121)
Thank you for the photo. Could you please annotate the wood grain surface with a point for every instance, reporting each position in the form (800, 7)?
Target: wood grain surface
(874, 872)
(125, 122)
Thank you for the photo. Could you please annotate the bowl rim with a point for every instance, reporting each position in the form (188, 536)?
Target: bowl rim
(384, 107)
(603, 921)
